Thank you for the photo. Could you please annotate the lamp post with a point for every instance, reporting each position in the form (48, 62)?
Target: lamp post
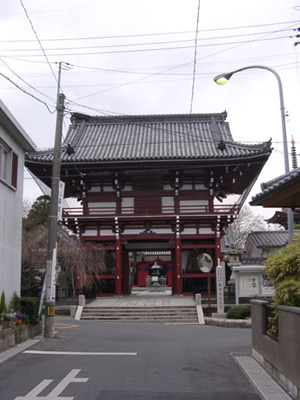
(224, 78)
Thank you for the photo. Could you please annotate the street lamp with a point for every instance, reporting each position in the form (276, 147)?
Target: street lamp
(222, 79)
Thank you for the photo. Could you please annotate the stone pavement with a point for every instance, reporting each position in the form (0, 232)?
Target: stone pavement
(144, 299)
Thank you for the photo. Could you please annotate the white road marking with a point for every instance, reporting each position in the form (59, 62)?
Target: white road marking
(77, 353)
(54, 395)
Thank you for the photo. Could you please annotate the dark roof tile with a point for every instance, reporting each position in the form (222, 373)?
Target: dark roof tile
(151, 137)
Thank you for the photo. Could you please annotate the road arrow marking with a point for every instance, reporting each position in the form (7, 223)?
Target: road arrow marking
(54, 395)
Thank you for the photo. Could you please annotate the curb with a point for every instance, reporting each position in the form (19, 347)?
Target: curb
(228, 323)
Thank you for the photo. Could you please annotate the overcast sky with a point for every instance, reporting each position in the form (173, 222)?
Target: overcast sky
(139, 57)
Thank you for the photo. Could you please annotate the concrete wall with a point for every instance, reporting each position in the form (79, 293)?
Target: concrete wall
(281, 359)
(15, 139)
(11, 337)
(11, 226)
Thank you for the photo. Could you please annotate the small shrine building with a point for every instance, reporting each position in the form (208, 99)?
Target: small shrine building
(157, 185)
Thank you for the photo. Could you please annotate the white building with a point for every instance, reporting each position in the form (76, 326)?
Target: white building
(14, 142)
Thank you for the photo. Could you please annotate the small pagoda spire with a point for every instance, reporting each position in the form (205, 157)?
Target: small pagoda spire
(294, 155)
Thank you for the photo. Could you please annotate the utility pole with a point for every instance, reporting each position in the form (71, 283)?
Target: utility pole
(52, 235)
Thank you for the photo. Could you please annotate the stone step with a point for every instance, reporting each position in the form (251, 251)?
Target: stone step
(135, 315)
(139, 318)
(139, 311)
(193, 320)
(181, 314)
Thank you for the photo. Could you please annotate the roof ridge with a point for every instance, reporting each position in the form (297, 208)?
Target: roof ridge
(149, 117)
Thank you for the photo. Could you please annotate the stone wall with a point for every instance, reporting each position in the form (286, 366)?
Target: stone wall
(280, 358)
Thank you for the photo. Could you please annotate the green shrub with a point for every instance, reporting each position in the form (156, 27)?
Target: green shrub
(283, 269)
(30, 309)
(3, 309)
(272, 330)
(15, 302)
(239, 312)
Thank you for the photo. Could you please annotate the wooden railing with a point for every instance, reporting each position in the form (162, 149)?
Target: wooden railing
(79, 212)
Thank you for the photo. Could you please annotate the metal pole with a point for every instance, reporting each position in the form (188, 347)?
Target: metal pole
(52, 236)
(290, 218)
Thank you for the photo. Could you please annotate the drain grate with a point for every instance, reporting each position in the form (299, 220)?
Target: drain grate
(242, 354)
(267, 387)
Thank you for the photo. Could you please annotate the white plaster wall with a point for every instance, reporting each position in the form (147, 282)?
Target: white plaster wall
(132, 231)
(127, 202)
(187, 186)
(95, 189)
(189, 231)
(127, 188)
(193, 202)
(200, 186)
(167, 186)
(90, 232)
(106, 232)
(162, 230)
(106, 207)
(11, 226)
(188, 205)
(108, 189)
(167, 203)
(205, 231)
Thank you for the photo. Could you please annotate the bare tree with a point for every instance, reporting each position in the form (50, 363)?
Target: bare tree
(34, 254)
(76, 261)
(80, 261)
(246, 222)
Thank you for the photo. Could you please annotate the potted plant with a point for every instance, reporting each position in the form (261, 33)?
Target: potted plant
(19, 318)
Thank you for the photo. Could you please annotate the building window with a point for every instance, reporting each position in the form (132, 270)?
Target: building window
(8, 165)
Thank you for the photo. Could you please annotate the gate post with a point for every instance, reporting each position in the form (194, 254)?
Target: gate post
(118, 284)
(178, 279)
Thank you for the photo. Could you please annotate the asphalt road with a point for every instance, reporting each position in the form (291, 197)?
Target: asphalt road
(122, 361)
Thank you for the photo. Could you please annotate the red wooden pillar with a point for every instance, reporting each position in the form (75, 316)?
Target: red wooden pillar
(173, 272)
(177, 285)
(78, 281)
(118, 284)
(125, 267)
(169, 274)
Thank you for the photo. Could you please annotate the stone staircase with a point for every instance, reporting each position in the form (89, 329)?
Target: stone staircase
(158, 314)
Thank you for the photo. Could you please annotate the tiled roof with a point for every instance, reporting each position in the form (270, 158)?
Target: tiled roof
(269, 238)
(279, 183)
(151, 137)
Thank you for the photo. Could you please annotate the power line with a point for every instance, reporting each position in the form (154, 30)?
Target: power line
(168, 69)
(28, 84)
(150, 34)
(195, 56)
(37, 38)
(84, 53)
(24, 91)
(195, 40)
(137, 70)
